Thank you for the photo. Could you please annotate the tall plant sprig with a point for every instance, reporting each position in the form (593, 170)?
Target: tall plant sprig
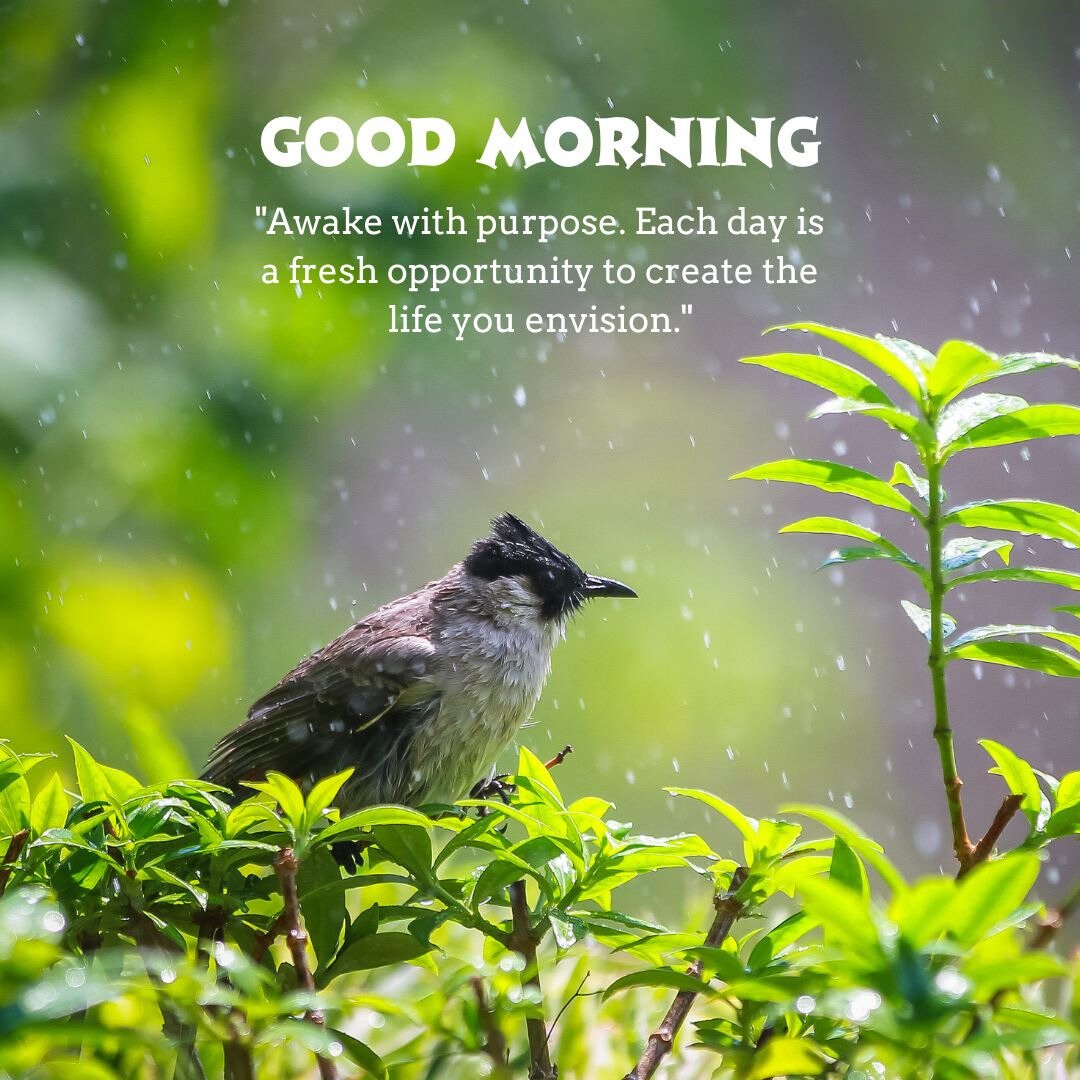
(945, 420)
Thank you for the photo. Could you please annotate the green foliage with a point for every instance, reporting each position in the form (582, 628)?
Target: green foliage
(141, 930)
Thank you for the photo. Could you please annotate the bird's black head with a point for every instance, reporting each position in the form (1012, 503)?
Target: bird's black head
(513, 549)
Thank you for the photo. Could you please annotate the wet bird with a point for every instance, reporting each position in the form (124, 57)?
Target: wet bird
(421, 696)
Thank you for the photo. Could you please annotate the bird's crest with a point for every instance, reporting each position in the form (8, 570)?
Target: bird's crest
(513, 548)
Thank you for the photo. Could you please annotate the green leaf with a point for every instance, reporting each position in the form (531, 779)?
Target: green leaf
(14, 796)
(660, 976)
(904, 475)
(1029, 517)
(893, 356)
(991, 975)
(1044, 574)
(101, 783)
(916, 429)
(965, 550)
(378, 950)
(408, 845)
(958, 365)
(322, 905)
(990, 894)
(1021, 655)
(984, 633)
(967, 413)
(857, 840)
(837, 378)
(845, 915)
(920, 912)
(831, 476)
(1020, 363)
(923, 622)
(50, 807)
(361, 1054)
(1068, 791)
(788, 1055)
(1063, 822)
(322, 795)
(1021, 425)
(834, 526)
(1019, 778)
(747, 826)
(566, 930)
(779, 938)
(365, 819)
(284, 791)
(1070, 609)
(840, 556)
(847, 869)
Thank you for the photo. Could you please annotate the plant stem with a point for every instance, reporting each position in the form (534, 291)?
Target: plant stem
(962, 845)
(494, 1039)
(728, 909)
(18, 842)
(523, 941)
(285, 866)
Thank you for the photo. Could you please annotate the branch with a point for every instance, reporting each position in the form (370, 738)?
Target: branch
(983, 849)
(560, 757)
(267, 938)
(494, 1039)
(285, 867)
(523, 941)
(728, 909)
(18, 842)
(1055, 919)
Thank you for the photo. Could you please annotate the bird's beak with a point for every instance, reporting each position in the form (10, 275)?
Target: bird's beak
(602, 586)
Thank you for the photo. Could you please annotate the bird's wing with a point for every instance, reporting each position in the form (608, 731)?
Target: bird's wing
(301, 726)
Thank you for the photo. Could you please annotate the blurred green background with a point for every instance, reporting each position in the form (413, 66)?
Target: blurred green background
(203, 478)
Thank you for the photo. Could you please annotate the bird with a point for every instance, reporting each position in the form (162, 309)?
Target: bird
(421, 696)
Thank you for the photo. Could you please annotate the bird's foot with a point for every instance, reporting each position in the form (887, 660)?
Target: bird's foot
(349, 854)
(494, 787)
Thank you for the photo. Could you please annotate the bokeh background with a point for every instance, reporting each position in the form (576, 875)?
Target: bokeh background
(203, 478)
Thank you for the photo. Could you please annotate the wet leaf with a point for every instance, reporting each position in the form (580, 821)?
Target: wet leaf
(1021, 655)
(837, 378)
(1029, 517)
(894, 357)
(965, 550)
(958, 365)
(968, 413)
(922, 619)
(1021, 425)
(1020, 779)
(831, 476)
(916, 429)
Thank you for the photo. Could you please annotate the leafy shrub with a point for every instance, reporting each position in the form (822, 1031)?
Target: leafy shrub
(157, 930)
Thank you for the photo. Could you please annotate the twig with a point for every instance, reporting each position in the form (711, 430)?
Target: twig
(567, 1003)
(560, 757)
(15, 848)
(239, 1063)
(494, 1039)
(1055, 919)
(267, 938)
(177, 1031)
(728, 909)
(285, 866)
(523, 941)
(984, 848)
